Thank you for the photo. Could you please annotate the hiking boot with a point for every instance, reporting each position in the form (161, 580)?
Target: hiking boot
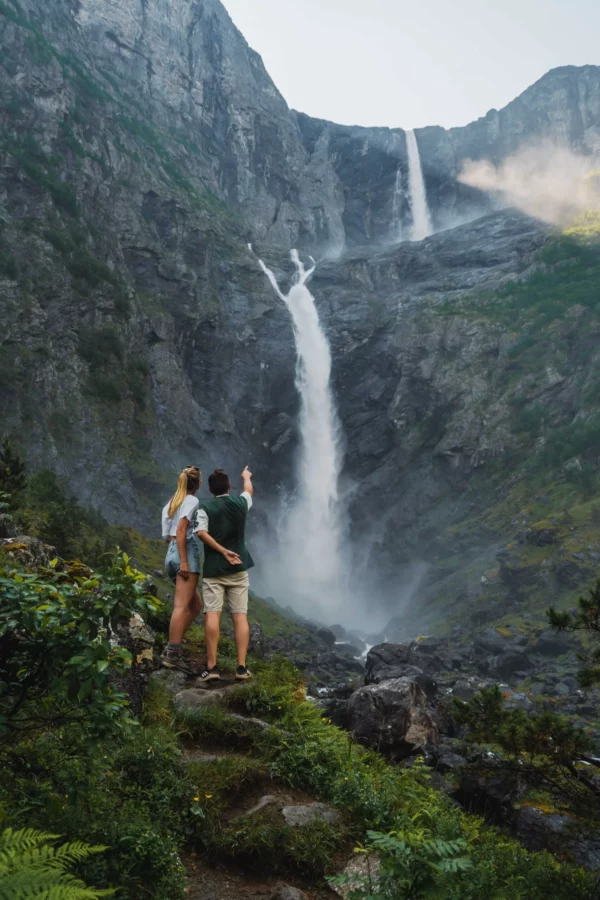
(209, 675)
(173, 659)
(242, 673)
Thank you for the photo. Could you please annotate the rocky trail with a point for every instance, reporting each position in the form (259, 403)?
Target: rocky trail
(288, 807)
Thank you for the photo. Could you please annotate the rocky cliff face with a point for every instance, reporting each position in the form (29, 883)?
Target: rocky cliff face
(142, 145)
(372, 163)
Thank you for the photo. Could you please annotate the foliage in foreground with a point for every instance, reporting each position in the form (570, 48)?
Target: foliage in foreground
(32, 867)
(131, 790)
(57, 662)
(409, 865)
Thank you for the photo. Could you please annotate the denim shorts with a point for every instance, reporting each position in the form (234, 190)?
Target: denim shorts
(194, 556)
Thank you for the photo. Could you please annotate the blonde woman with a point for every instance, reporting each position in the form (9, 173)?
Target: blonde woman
(182, 562)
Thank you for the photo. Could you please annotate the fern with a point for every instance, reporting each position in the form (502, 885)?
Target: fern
(32, 868)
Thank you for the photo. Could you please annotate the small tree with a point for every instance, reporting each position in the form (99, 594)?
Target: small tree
(586, 618)
(12, 470)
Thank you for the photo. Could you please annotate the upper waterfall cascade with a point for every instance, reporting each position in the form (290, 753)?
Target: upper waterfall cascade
(422, 226)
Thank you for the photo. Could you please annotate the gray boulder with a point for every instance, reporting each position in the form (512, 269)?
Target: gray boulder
(430, 655)
(393, 717)
(285, 892)
(507, 664)
(553, 643)
(297, 816)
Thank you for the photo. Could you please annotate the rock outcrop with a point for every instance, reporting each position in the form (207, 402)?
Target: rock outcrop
(393, 717)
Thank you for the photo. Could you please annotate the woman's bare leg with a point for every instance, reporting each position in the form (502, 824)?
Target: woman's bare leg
(194, 610)
(186, 596)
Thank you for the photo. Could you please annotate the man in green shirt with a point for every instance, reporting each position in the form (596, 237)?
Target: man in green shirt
(221, 526)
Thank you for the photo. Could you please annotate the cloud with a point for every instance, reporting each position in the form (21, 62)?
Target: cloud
(546, 181)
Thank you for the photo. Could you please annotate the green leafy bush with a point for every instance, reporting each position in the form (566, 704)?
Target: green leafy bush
(411, 862)
(130, 793)
(57, 664)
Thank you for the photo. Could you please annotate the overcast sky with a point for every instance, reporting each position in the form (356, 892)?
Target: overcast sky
(429, 62)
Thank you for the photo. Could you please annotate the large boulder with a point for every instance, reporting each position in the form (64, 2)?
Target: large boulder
(507, 664)
(553, 643)
(384, 661)
(393, 717)
(29, 551)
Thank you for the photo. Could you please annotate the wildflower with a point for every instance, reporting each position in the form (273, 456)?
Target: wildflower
(196, 799)
(208, 796)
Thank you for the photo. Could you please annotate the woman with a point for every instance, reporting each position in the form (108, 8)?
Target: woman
(182, 562)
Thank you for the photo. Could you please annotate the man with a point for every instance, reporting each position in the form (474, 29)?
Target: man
(221, 523)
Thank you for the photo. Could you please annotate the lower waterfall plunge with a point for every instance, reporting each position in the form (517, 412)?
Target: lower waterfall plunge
(312, 528)
(422, 226)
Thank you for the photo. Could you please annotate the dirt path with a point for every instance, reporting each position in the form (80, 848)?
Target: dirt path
(225, 883)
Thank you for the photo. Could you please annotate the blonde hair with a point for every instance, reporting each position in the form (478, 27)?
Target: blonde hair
(189, 480)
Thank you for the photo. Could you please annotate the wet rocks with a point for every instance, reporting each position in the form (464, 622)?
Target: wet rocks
(393, 716)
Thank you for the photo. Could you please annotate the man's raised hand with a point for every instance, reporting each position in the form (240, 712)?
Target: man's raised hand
(246, 473)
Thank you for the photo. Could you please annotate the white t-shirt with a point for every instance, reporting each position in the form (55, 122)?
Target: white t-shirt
(186, 510)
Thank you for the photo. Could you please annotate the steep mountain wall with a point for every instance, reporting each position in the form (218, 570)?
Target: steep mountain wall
(142, 145)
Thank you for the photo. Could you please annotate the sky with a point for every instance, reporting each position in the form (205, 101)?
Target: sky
(428, 62)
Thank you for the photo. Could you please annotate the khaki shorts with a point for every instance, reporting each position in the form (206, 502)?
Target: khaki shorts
(234, 587)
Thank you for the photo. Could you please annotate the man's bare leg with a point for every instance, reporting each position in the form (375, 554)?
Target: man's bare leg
(242, 636)
(212, 629)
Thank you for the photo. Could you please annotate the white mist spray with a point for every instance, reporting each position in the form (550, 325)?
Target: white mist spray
(422, 227)
(312, 530)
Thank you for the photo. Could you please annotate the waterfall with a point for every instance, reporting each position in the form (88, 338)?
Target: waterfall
(422, 227)
(311, 532)
(397, 206)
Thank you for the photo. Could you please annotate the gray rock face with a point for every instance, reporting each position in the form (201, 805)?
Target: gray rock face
(393, 717)
(564, 106)
(143, 145)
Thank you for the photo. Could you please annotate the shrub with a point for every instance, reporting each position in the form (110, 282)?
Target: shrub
(543, 749)
(586, 619)
(57, 664)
